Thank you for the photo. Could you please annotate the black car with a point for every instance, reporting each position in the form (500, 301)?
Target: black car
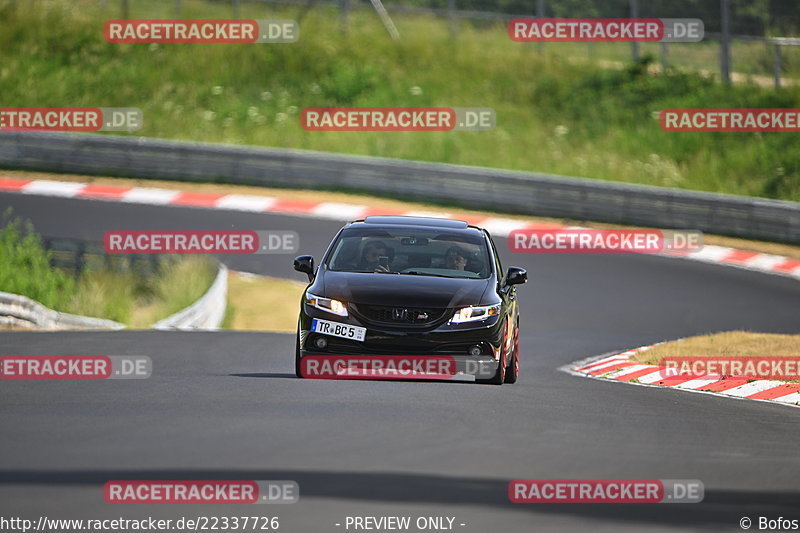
(394, 285)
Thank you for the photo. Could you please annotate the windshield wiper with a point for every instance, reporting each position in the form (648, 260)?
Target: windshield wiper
(418, 273)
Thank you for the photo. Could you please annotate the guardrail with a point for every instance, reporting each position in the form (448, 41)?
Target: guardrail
(476, 187)
(207, 312)
(75, 255)
(21, 311)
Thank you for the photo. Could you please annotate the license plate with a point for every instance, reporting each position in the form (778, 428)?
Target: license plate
(345, 331)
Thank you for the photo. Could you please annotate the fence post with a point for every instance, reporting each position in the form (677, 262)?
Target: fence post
(80, 259)
(540, 15)
(126, 9)
(344, 9)
(451, 17)
(664, 62)
(776, 65)
(725, 52)
(634, 5)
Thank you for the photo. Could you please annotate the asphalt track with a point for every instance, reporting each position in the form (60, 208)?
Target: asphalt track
(225, 405)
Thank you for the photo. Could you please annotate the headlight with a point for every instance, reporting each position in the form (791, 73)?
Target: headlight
(326, 304)
(470, 314)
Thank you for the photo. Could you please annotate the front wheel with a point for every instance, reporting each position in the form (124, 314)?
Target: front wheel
(297, 354)
(513, 369)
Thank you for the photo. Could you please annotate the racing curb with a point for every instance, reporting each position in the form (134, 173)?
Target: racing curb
(760, 262)
(619, 367)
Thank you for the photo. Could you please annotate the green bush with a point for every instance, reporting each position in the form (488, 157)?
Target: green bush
(25, 266)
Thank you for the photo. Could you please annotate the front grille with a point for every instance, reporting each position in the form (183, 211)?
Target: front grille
(417, 316)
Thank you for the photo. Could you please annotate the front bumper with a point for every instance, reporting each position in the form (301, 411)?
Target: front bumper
(450, 368)
(454, 340)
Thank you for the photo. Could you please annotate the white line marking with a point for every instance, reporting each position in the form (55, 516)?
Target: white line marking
(53, 188)
(764, 262)
(600, 362)
(607, 365)
(749, 389)
(245, 202)
(791, 398)
(663, 373)
(629, 370)
(334, 211)
(711, 254)
(698, 383)
(427, 214)
(145, 195)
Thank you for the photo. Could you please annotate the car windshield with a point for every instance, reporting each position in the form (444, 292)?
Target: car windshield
(411, 251)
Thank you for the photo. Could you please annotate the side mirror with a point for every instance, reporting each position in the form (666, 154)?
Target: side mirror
(305, 264)
(516, 276)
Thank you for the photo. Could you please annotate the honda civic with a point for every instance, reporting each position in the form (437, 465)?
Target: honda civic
(414, 286)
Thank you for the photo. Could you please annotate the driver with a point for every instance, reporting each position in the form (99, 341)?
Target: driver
(370, 255)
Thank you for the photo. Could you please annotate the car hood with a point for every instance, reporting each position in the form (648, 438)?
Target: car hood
(403, 290)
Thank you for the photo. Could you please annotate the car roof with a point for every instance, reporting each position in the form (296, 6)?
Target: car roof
(425, 222)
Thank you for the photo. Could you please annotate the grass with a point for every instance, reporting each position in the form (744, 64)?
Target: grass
(140, 301)
(133, 298)
(553, 115)
(725, 344)
(261, 303)
(25, 266)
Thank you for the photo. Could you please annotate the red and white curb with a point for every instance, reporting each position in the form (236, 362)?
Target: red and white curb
(767, 263)
(619, 367)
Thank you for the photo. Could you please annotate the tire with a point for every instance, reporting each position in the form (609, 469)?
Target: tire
(297, 354)
(500, 375)
(512, 373)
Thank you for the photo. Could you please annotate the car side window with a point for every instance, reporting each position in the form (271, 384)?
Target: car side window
(497, 264)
